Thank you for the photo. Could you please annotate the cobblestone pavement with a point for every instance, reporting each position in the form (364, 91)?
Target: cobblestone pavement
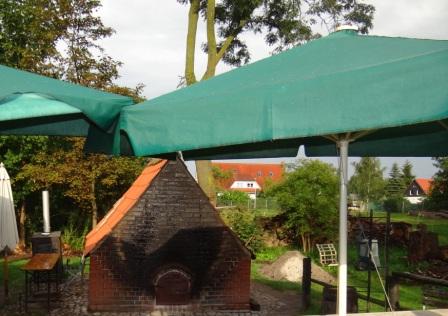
(73, 302)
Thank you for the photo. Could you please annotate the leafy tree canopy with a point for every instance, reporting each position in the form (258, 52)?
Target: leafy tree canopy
(367, 182)
(309, 198)
(438, 198)
(59, 38)
(407, 175)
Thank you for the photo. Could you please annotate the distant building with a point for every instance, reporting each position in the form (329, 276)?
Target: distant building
(418, 190)
(249, 178)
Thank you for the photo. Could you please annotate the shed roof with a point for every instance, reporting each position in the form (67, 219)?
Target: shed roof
(122, 206)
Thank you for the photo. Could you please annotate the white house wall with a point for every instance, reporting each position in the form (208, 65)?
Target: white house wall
(415, 199)
(245, 185)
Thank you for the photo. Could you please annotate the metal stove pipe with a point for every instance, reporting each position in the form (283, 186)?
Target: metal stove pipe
(46, 211)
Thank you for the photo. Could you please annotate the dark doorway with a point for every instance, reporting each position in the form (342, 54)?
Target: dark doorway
(173, 287)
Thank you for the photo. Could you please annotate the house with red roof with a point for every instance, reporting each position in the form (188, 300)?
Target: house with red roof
(418, 190)
(249, 178)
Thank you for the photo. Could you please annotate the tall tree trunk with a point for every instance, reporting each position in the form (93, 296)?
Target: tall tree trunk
(93, 205)
(22, 227)
(205, 179)
(193, 16)
(303, 237)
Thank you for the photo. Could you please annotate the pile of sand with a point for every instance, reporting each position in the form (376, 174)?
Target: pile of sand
(290, 267)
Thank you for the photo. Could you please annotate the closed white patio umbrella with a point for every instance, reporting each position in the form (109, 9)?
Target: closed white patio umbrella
(8, 226)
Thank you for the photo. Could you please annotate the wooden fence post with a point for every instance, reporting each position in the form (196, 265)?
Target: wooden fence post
(306, 283)
(393, 290)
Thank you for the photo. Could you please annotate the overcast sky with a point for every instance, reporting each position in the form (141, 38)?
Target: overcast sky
(150, 41)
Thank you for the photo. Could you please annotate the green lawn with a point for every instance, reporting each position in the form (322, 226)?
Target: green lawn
(410, 296)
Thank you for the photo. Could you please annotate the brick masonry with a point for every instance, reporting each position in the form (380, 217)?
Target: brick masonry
(172, 231)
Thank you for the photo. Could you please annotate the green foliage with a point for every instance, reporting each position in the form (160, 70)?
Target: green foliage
(85, 61)
(243, 223)
(309, 198)
(30, 31)
(220, 176)
(396, 203)
(92, 182)
(271, 253)
(395, 186)
(283, 23)
(59, 38)
(406, 174)
(232, 197)
(438, 197)
(73, 237)
(367, 182)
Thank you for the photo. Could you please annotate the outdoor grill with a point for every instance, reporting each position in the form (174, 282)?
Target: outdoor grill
(46, 243)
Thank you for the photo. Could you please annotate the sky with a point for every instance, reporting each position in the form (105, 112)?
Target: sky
(150, 41)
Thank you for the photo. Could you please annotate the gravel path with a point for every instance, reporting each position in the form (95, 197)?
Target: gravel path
(73, 302)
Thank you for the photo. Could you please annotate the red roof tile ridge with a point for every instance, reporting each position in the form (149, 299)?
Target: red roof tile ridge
(122, 206)
(247, 163)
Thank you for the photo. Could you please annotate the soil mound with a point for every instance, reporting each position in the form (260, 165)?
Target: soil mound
(290, 267)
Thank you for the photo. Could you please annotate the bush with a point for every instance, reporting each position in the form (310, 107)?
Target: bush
(243, 223)
(396, 204)
(236, 198)
(73, 238)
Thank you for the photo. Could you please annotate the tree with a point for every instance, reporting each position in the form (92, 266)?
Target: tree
(90, 181)
(220, 177)
(284, 23)
(309, 198)
(56, 38)
(16, 152)
(395, 185)
(406, 174)
(438, 197)
(30, 32)
(367, 182)
(82, 31)
(395, 190)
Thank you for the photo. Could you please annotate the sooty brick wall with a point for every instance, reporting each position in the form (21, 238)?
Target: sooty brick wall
(170, 251)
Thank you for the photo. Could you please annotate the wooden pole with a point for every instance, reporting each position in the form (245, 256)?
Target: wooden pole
(306, 283)
(6, 275)
(393, 289)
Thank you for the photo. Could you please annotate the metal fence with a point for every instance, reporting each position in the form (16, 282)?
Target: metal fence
(254, 204)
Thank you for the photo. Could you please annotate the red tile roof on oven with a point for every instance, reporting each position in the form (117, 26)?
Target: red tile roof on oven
(424, 184)
(122, 206)
(250, 172)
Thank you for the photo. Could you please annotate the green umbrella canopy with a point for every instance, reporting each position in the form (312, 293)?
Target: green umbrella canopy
(31, 104)
(396, 89)
(385, 96)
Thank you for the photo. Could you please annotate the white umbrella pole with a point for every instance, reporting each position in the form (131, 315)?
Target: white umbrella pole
(342, 272)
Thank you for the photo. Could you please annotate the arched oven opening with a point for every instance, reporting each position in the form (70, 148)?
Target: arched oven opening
(173, 287)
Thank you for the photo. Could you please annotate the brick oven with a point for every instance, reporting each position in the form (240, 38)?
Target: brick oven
(163, 246)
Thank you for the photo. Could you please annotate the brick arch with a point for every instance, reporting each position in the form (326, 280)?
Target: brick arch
(173, 287)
